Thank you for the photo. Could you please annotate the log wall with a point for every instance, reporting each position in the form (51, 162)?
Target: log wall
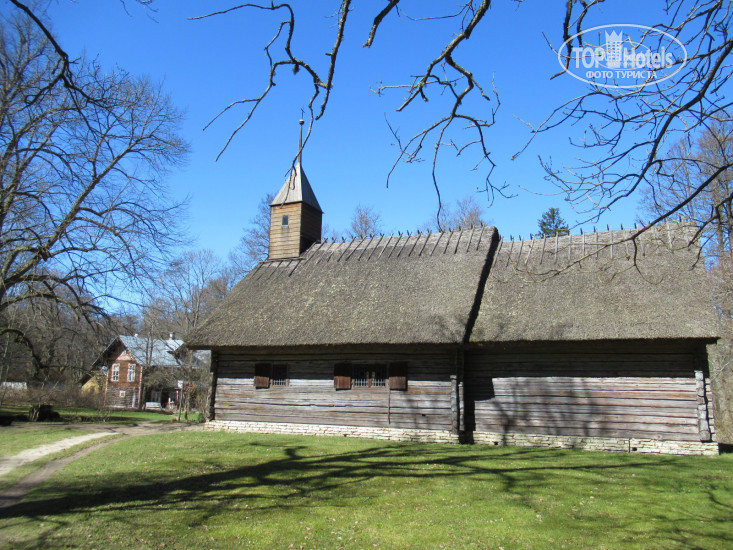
(310, 398)
(590, 390)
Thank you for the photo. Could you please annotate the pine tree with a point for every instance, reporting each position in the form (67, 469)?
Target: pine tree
(551, 224)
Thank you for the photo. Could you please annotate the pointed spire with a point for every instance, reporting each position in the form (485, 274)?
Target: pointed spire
(295, 215)
(297, 188)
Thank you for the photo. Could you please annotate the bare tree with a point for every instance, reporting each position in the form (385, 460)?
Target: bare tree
(83, 212)
(695, 163)
(443, 74)
(467, 214)
(253, 246)
(628, 130)
(366, 222)
(65, 346)
(186, 292)
(624, 130)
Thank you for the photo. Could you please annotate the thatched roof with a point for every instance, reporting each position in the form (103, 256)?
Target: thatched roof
(585, 287)
(393, 290)
(427, 289)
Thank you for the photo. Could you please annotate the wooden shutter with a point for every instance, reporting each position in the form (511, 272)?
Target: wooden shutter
(262, 375)
(398, 376)
(342, 376)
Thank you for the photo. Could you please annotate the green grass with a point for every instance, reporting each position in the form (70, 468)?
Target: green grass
(11, 478)
(217, 490)
(17, 438)
(78, 414)
(117, 417)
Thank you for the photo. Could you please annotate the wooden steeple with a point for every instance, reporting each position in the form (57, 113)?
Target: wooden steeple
(295, 215)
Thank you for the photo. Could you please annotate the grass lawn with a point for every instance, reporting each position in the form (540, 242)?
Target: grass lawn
(17, 438)
(16, 475)
(116, 417)
(76, 414)
(218, 490)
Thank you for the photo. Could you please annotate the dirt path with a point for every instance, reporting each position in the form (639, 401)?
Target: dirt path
(19, 490)
(10, 463)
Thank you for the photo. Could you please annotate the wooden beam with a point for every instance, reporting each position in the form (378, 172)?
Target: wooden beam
(461, 393)
(703, 422)
(455, 397)
(213, 378)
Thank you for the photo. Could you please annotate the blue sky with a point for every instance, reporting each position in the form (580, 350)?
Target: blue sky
(206, 64)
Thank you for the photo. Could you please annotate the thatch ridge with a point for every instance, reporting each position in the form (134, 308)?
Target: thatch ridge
(617, 284)
(398, 289)
(427, 289)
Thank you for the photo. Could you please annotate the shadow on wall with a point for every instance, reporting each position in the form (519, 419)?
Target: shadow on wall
(522, 405)
(586, 397)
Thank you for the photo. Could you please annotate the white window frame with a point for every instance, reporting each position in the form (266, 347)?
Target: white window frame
(115, 373)
(131, 373)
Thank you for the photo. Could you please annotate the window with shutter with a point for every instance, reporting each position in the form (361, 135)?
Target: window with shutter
(262, 375)
(342, 376)
(398, 376)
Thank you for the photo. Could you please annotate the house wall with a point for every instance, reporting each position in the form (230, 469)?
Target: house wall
(621, 396)
(614, 396)
(309, 398)
(122, 394)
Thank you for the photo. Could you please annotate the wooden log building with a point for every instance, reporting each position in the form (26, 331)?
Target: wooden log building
(589, 341)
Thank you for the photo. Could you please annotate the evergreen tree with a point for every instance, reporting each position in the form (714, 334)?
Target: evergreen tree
(551, 224)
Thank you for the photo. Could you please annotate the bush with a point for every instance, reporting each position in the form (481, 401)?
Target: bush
(43, 413)
(69, 396)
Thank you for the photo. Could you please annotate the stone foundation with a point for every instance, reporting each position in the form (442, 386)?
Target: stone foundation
(596, 443)
(391, 434)
(481, 438)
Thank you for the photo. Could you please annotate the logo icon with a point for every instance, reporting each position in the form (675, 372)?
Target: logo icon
(622, 56)
(613, 50)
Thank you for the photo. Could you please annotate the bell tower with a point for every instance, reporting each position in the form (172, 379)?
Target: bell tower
(295, 215)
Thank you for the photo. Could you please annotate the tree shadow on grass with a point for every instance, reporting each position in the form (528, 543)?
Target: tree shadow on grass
(298, 477)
